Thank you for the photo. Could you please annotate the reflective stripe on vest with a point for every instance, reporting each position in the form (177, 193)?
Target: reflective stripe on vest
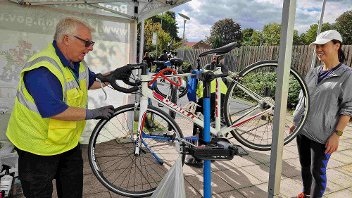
(50, 60)
(29, 104)
(67, 85)
(84, 75)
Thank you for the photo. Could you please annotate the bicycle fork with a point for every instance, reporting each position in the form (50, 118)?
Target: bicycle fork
(141, 120)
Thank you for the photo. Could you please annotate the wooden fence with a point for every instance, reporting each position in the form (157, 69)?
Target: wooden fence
(241, 57)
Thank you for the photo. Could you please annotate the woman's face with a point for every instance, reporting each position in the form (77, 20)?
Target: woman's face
(327, 51)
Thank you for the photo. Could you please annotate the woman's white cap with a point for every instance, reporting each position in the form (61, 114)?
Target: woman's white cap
(325, 37)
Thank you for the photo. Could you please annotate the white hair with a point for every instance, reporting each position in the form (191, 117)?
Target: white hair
(68, 26)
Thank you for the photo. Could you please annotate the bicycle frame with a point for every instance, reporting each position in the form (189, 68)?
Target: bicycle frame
(217, 131)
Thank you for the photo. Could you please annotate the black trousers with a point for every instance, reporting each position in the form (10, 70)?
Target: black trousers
(313, 166)
(37, 173)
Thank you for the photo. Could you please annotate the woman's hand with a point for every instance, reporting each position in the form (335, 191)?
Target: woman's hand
(332, 143)
(292, 128)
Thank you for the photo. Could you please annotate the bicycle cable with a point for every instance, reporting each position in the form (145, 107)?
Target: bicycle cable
(102, 87)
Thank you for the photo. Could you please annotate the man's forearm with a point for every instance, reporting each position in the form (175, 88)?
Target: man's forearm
(95, 85)
(71, 114)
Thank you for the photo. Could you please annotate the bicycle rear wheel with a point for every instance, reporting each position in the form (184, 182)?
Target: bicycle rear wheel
(112, 146)
(250, 100)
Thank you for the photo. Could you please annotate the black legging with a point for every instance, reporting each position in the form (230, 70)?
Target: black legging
(313, 166)
(212, 114)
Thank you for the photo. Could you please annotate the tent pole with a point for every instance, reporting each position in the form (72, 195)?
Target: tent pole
(133, 42)
(312, 65)
(285, 56)
(141, 42)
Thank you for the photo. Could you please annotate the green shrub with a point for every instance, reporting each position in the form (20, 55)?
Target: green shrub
(264, 84)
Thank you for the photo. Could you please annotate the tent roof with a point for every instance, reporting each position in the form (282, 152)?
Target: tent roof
(129, 9)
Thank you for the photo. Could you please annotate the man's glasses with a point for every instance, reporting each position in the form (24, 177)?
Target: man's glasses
(87, 43)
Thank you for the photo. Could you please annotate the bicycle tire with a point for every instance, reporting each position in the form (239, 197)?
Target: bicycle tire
(261, 79)
(111, 152)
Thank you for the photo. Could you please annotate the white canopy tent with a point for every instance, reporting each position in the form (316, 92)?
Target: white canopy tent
(27, 26)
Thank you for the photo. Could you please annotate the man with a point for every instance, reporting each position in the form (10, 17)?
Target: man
(163, 56)
(49, 114)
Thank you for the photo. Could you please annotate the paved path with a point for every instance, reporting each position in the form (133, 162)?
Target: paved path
(248, 176)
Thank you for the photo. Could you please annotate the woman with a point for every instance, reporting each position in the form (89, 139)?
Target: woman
(330, 110)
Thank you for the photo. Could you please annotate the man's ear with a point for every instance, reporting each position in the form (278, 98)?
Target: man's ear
(65, 40)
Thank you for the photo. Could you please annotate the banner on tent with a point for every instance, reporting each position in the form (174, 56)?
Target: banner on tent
(26, 30)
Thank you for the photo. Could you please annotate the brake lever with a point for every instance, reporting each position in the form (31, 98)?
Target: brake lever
(101, 85)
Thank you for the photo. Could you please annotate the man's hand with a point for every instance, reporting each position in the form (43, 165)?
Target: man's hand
(332, 143)
(100, 113)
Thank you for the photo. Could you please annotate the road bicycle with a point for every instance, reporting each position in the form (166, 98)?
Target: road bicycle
(130, 157)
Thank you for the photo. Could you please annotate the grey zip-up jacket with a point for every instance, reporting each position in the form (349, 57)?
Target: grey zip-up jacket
(329, 99)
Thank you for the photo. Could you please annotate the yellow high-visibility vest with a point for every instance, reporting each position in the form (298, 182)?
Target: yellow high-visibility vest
(27, 130)
(199, 92)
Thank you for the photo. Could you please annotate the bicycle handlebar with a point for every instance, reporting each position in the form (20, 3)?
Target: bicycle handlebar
(122, 73)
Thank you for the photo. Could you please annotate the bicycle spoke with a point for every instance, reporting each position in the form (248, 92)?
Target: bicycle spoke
(123, 171)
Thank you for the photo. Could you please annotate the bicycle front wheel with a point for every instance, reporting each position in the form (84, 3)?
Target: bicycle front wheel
(112, 146)
(250, 100)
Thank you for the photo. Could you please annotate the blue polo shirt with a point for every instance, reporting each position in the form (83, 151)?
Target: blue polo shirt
(46, 89)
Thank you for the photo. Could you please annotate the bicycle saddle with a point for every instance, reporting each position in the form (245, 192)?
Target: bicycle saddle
(176, 61)
(220, 50)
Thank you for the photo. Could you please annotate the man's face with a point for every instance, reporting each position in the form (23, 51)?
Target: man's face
(79, 44)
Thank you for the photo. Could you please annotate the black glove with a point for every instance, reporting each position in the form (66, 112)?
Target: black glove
(123, 73)
(100, 113)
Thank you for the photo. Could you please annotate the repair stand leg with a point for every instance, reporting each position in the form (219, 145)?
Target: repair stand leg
(207, 163)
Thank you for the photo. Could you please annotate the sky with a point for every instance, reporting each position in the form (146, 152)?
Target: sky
(253, 14)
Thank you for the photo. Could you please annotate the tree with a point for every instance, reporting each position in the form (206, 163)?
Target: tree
(309, 36)
(297, 40)
(169, 24)
(271, 34)
(247, 36)
(251, 37)
(163, 38)
(224, 32)
(344, 26)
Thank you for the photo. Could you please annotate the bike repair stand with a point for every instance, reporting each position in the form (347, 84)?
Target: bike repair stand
(206, 131)
(217, 148)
